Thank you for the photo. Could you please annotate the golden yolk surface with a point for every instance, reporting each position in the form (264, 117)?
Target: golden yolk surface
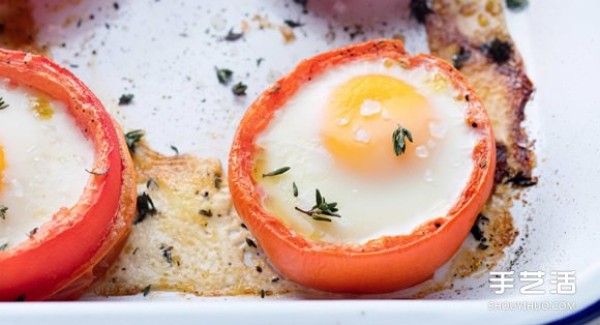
(361, 117)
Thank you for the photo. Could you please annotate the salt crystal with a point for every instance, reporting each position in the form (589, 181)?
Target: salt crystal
(422, 152)
(370, 107)
(361, 135)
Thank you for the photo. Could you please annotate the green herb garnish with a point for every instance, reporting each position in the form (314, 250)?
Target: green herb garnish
(239, 89)
(146, 290)
(251, 243)
(3, 247)
(232, 36)
(516, 4)
(3, 104)
(145, 207)
(3, 209)
(321, 211)
(276, 172)
(125, 99)
(295, 188)
(133, 137)
(175, 149)
(398, 139)
(224, 75)
(293, 23)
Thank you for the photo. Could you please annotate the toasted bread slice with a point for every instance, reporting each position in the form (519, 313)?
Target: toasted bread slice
(473, 36)
(193, 241)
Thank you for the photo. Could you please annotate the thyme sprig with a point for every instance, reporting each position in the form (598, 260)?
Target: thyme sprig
(398, 139)
(322, 210)
(3, 209)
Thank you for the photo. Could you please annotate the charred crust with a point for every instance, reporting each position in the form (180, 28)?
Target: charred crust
(478, 226)
(522, 180)
(499, 51)
(502, 172)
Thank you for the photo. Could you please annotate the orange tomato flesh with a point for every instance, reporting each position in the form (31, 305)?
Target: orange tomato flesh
(388, 263)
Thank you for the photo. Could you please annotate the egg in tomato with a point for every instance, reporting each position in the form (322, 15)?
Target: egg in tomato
(43, 161)
(364, 169)
(67, 193)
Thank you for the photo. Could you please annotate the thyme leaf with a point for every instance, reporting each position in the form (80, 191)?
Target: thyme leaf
(224, 75)
(3, 104)
(295, 188)
(125, 99)
(3, 209)
(132, 138)
(516, 4)
(239, 89)
(3, 247)
(145, 207)
(33, 232)
(232, 36)
(146, 290)
(293, 23)
(398, 139)
(175, 149)
(251, 243)
(276, 172)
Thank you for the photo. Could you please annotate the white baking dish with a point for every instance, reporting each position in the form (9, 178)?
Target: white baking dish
(161, 52)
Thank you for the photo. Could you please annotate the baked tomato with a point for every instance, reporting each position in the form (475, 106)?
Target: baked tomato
(355, 125)
(79, 243)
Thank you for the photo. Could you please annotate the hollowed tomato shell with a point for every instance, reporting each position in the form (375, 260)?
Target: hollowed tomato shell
(78, 244)
(382, 265)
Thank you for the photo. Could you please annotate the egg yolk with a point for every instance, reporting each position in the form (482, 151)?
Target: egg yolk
(361, 117)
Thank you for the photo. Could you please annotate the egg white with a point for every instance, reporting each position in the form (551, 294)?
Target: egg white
(370, 207)
(46, 163)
